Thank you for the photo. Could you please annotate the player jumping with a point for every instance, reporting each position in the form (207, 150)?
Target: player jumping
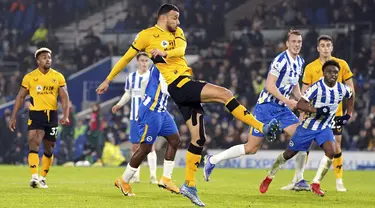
(166, 44)
(311, 75)
(133, 93)
(273, 102)
(321, 102)
(43, 85)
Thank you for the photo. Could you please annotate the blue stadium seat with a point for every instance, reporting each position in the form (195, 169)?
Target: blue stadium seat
(16, 20)
(321, 16)
(29, 19)
(120, 26)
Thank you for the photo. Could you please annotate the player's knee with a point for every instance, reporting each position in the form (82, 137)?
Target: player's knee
(224, 95)
(288, 154)
(251, 149)
(145, 148)
(175, 143)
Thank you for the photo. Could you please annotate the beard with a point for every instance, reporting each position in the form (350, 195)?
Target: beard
(171, 29)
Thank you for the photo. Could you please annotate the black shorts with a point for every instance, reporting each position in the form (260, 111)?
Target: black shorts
(337, 130)
(186, 93)
(44, 120)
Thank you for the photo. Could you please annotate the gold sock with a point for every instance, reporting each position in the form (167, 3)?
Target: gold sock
(193, 158)
(337, 165)
(241, 113)
(33, 159)
(47, 161)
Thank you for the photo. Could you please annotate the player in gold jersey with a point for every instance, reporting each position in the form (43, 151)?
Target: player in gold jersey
(166, 44)
(311, 75)
(44, 85)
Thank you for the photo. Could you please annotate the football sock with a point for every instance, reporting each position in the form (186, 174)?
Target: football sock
(230, 153)
(295, 172)
(137, 173)
(280, 161)
(324, 165)
(242, 114)
(47, 161)
(193, 158)
(33, 159)
(128, 173)
(300, 163)
(337, 165)
(151, 159)
(168, 168)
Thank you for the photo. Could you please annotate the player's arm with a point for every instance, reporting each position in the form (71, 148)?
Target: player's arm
(350, 107)
(139, 44)
(296, 92)
(270, 86)
(348, 77)
(64, 97)
(22, 93)
(304, 103)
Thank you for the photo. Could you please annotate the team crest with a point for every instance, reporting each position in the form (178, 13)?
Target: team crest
(53, 80)
(149, 139)
(291, 144)
(164, 43)
(39, 88)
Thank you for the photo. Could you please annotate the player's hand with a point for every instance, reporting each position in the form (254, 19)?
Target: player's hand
(115, 108)
(157, 52)
(292, 104)
(12, 124)
(64, 120)
(323, 111)
(103, 87)
(343, 120)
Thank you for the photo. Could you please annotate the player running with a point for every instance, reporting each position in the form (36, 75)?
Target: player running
(321, 102)
(133, 93)
(166, 44)
(311, 75)
(44, 85)
(153, 121)
(273, 102)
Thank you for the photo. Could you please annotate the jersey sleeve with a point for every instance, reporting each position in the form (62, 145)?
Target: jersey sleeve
(276, 67)
(140, 41)
(25, 82)
(347, 73)
(127, 85)
(62, 81)
(311, 93)
(348, 91)
(307, 76)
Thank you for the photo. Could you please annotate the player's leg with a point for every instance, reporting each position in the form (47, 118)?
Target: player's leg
(135, 139)
(298, 182)
(326, 141)
(152, 164)
(300, 141)
(170, 133)
(34, 138)
(338, 159)
(214, 93)
(47, 161)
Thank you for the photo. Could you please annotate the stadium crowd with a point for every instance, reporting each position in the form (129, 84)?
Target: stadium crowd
(239, 62)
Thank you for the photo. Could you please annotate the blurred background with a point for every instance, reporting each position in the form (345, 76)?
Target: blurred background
(230, 43)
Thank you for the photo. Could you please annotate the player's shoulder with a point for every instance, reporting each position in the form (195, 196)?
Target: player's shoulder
(312, 65)
(340, 61)
(55, 72)
(150, 30)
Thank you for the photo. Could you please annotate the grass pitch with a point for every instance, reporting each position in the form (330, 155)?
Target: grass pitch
(93, 187)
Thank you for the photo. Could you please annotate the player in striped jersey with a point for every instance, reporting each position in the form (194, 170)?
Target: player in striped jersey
(153, 121)
(133, 93)
(273, 102)
(321, 102)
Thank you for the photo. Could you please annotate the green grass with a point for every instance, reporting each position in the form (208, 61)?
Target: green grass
(93, 187)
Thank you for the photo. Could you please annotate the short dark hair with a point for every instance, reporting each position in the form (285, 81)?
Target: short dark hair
(141, 54)
(331, 63)
(165, 8)
(293, 32)
(325, 37)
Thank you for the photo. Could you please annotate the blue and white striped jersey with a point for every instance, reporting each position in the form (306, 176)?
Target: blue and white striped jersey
(156, 95)
(320, 95)
(133, 84)
(288, 71)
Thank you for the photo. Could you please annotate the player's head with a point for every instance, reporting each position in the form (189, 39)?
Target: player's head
(294, 42)
(331, 71)
(43, 58)
(142, 61)
(168, 14)
(325, 46)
